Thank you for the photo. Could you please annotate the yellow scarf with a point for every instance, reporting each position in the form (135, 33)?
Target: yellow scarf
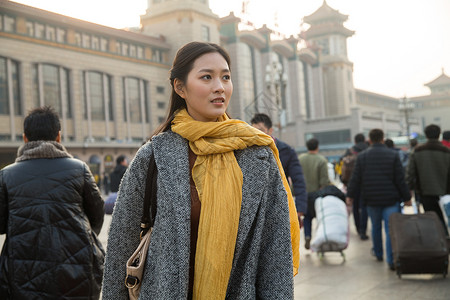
(218, 179)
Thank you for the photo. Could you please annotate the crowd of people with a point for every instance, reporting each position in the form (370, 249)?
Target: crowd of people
(226, 222)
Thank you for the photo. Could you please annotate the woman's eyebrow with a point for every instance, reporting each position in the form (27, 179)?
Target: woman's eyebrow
(211, 70)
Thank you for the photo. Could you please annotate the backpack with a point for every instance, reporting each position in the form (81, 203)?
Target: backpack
(348, 163)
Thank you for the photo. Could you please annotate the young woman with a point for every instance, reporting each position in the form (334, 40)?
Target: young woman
(224, 221)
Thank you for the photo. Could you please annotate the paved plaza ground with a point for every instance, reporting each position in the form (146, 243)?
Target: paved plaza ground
(360, 277)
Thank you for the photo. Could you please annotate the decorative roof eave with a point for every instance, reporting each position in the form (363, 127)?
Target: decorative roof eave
(282, 47)
(325, 12)
(253, 38)
(231, 18)
(442, 80)
(327, 29)
(308, 56)
(65, 21)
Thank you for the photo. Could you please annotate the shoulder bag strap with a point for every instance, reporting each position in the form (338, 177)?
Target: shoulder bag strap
(149, 209)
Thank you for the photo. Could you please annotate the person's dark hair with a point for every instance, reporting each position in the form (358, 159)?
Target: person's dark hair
(312, 144)
(446, 135)
(376, 135)
(42, 124)
(432, 131)
(359, 138)
(120, 159)
(181, 66)
(413, 143)
(262, 118)
(389, 143)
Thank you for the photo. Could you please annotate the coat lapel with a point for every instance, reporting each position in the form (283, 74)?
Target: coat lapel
(255, 169)
(171, 156)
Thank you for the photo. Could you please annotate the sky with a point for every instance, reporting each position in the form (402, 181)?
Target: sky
(398, 46)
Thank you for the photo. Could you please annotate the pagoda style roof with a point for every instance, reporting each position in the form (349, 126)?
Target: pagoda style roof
(323, 13)
(442, 80)
(326, 29)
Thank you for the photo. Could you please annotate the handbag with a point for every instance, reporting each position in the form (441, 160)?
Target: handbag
(136, 263)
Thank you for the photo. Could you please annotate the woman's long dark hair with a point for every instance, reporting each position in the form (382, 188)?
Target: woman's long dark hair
(182, 65)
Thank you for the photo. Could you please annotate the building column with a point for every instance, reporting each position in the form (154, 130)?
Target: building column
(127, 108)
(88, 105)
(105, 104)
(9, 82)
(64, 101)
(142, 105)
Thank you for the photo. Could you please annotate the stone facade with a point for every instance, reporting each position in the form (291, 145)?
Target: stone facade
(111, 86)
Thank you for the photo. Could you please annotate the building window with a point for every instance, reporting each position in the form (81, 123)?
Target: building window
(9, 23)
(95, 43)
(86, 41)
(104, 45)
(324, 44)
(160, 89)
(60, 35)
(140, 52)
(331, 137)
(156, 55)
(136, 100)
(118, 47)
(125, 49)
(205, 33)
(132, 50)
(98, 95)
(50, 33)
(161, 105)
(52, 88)
(39, 30)
(9, 77)
(30, 28)
(78, 39)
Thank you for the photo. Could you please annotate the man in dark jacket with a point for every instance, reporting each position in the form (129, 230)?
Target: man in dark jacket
(359, 208)
(428, 171)
(51, 212)
(378, 178)
(116, 176)
(289, 160)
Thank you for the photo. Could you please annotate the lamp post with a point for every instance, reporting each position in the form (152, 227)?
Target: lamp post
(406, 107)
(276, 81)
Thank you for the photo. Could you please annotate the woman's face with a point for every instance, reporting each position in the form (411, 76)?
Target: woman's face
(208, 88)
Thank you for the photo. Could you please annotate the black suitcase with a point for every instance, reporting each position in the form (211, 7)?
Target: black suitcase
(419, 244)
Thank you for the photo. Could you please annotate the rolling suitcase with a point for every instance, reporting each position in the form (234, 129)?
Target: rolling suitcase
(418, 244)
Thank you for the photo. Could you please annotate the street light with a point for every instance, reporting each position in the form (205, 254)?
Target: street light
(276, 81)
(406, 107)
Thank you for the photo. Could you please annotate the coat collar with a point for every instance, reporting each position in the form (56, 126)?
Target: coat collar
(41, 149)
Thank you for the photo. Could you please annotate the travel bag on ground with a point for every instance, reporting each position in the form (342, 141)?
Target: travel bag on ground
(418, 244)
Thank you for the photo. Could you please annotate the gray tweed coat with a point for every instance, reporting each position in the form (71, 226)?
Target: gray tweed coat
(262, 264)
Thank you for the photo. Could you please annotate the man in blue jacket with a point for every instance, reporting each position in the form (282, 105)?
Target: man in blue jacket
(289, 160)
(378, 178)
